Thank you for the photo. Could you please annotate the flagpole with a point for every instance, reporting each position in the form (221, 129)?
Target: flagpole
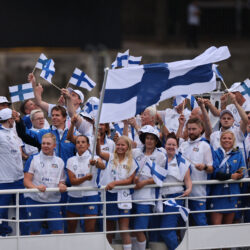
(55, 86)
(99, 114)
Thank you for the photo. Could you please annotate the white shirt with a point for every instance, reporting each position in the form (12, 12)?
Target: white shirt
(175, 174)
(11, 167)
(79, 166)
(144, 173)
(198, 152)
(49, 171)
(171, 118)
(114, 172)
(28, 149)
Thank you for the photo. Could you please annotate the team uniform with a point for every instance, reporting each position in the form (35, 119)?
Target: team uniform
(177, 169)
(11, 175)
(198, 151)
(119, 172)
(79, 165)
(226, 163)
(144, 173)
(49, 171)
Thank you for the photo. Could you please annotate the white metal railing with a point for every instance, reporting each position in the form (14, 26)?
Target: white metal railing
(104, 217)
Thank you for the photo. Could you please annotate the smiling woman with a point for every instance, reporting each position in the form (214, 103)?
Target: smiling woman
(228, 164)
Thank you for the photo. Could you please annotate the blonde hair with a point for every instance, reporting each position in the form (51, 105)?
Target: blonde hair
(231, 133)
(128, 154)
(50, 135)
(34, 112)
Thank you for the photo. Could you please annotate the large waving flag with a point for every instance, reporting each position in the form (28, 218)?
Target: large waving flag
(41, 61)
(243, 88)
(21, 92)
(80, 79)
(184, 211)
(48, 71)
(133, 89)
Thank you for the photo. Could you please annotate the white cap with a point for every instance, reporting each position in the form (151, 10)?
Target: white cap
(78, 92)
(3, 99)
(5, 114)
(148, 129)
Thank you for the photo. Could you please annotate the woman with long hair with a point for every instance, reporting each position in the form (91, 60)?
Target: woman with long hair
(120, 170)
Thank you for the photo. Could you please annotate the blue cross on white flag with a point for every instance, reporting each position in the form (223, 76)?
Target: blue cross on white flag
(91, 107)
(21, 92)
(41, 61)
(158, 173)
(180, 98)
(184, 211)
(48, 71)
(121, 60)
(134, 61)
(133, 89)
(80, 79)
(243, 88)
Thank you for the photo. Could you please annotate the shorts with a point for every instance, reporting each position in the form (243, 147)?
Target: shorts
(112, 208)
(141, 222)
(41, 213)
(91, 209)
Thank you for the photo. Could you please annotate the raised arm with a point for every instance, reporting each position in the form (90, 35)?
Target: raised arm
(70, 135)
(207, 123)
(104, 155)
(38, 90)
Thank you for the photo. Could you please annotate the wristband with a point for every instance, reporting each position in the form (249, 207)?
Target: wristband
(205, 167)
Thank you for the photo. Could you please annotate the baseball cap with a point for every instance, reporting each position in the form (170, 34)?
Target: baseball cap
(5, 114)
(78, 92)
(3, 99)
(226, 111)
(148, 129)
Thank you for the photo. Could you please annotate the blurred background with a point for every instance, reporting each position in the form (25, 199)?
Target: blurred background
(88, 34)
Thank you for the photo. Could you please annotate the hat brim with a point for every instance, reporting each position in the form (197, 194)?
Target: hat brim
(142, 137)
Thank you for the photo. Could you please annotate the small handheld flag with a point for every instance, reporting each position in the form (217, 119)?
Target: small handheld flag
(121, 60)
(42, 60)
(80, 79)
(21, 92)
(48, 71)
(134, 61)
(184, 211)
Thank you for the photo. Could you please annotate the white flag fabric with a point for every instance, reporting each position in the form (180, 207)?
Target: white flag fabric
(21, 92)
(41, 61)
(217, 72)
(158, 173)
(48, 71)
(133, 89)
(184, 211)
(243, 88)
(80, 79)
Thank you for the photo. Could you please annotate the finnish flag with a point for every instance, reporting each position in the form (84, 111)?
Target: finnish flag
(134, 61)
(133, 89)
(217, 72)
(121, 60)
(80, 79)
(41, 61)
(48, 71)
(21, 92)
(243, 88)
(180, 98)
(184, 211)
(158, 173)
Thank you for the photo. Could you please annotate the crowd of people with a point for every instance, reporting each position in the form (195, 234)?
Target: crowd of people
(36, 154)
